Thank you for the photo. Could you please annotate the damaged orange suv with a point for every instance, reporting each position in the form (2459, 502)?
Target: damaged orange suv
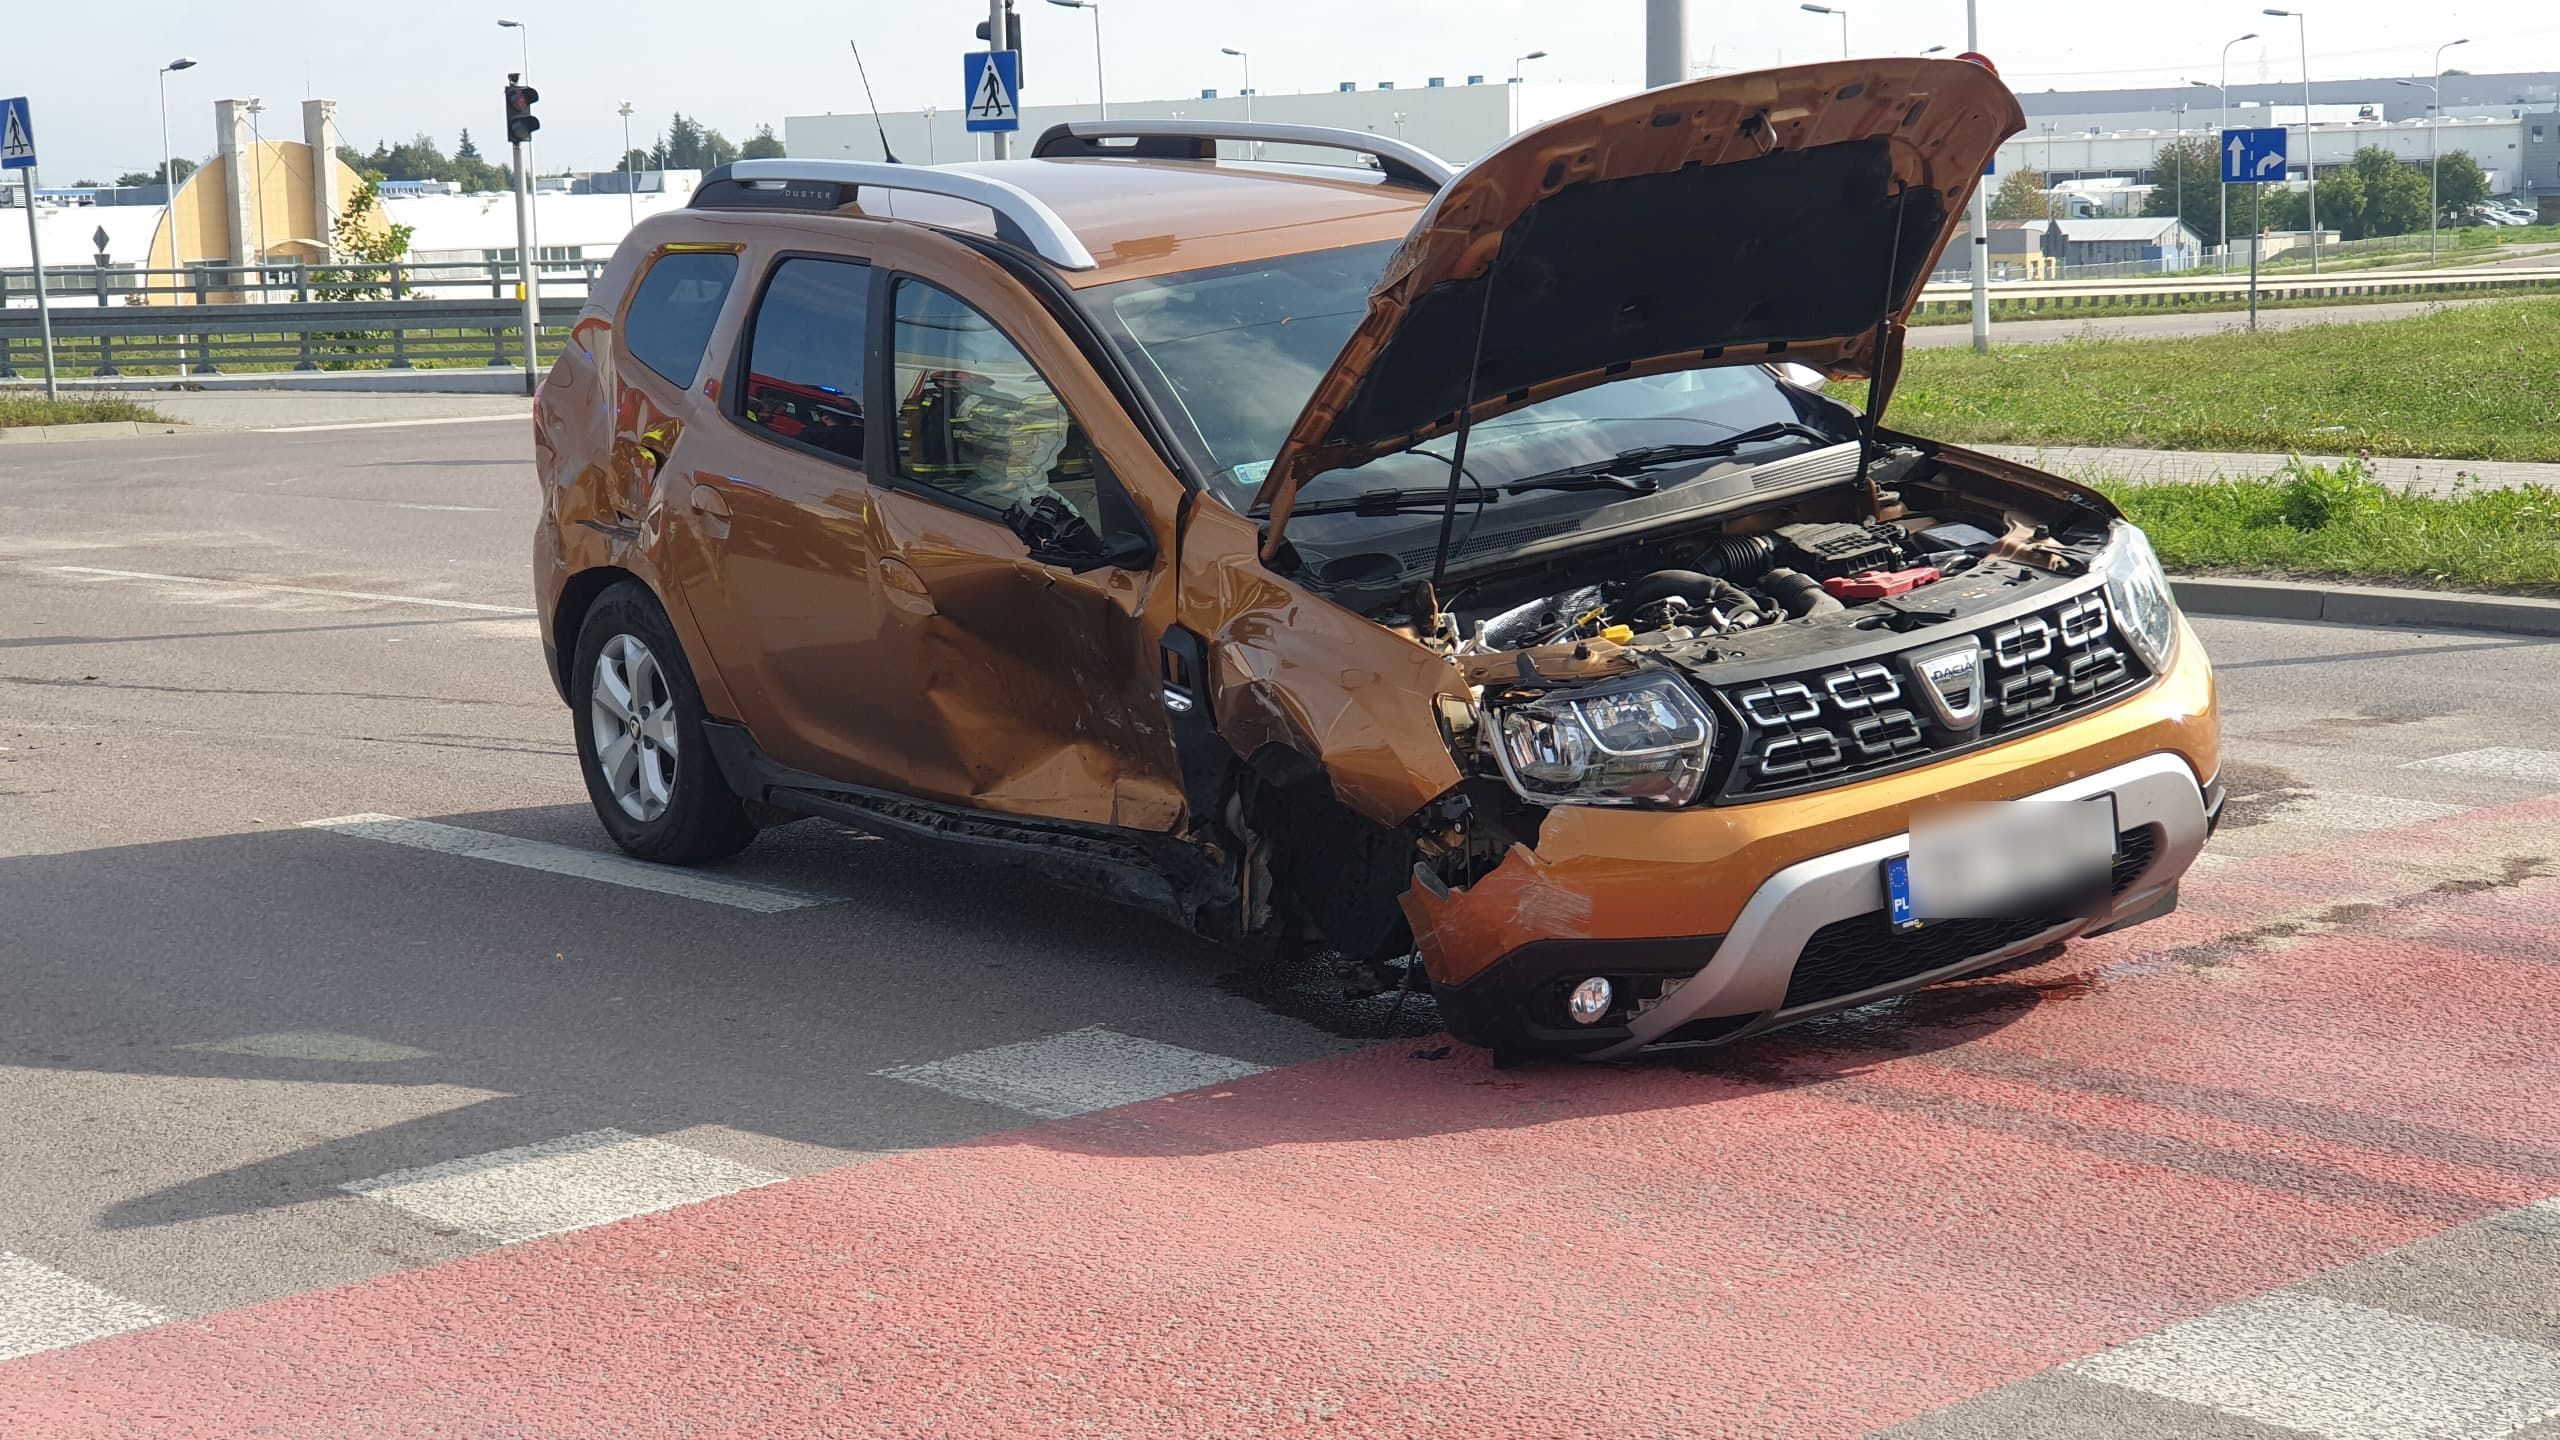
(1271, 528)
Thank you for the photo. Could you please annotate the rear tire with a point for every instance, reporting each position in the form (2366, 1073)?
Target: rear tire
(638, 719)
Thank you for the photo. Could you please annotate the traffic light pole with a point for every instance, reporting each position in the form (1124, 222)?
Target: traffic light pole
(524, 269)
(1003, 143)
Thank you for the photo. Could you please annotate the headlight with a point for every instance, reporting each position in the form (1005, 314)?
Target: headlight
(2138, 592)
(1642, 741)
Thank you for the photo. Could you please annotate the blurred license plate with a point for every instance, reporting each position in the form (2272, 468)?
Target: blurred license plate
(2001, 859)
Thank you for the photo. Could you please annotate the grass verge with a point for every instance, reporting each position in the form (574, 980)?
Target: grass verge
(2336, 524)
(2480, 382)
(20, 410)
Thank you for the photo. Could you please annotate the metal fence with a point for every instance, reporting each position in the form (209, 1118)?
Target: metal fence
(314, 335)
(105, 286)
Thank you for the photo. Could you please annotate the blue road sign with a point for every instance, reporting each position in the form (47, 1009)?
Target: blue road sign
(17, 135)
(994, 89)
(2252, 157)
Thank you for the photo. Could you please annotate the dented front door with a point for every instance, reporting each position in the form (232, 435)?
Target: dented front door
(1023, 688)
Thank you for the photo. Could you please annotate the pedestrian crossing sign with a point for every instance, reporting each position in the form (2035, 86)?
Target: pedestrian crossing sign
(17, 135)
(994, 81)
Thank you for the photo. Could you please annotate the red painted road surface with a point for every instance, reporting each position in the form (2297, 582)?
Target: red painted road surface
(2325, 1055)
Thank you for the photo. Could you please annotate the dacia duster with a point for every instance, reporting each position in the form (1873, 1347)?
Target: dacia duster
(1380, 558)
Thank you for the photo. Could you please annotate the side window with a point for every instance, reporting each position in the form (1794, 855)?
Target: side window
(975, 420)
(669, 321)
(804, 355)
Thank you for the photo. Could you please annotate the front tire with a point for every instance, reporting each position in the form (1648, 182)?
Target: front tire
(638, 718)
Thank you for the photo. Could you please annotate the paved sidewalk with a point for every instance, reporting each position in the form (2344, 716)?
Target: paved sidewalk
(2423, 477)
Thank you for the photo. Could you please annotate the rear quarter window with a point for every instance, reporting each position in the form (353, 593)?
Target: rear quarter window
(668, 324)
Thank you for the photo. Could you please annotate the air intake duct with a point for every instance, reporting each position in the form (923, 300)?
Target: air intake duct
(1742, 558)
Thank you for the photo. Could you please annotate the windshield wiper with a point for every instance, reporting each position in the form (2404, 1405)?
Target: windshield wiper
(1625, 470)
(1387, 502)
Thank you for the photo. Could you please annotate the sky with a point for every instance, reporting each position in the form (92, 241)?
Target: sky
(437, 65)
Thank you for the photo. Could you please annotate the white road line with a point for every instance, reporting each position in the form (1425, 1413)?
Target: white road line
(271, 587)
(44, 1309)
(567, 860)
(526, 418)
(1074, 1073)
(561, 1185)
(2341, 1371)
(2498, 762)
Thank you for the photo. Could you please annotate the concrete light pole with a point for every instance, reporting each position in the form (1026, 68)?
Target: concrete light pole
(1518, 61)
(2435, 122)
(2310, 156)
(1666, 42)
(168, 167)
(630, 202)
(1843, 13)
(258, 185)
(1981, 221)
(1248, 77)
(1101, 104)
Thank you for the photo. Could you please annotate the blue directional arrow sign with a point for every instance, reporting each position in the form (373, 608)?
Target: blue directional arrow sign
(2252, 157)
(994, 94)
(17, 135)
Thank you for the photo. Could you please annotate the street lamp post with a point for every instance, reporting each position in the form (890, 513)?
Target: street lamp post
(1842, 12)
(630, 202)
(1981, 223)
(2180, 146)
(1101, 105)
(168, 166)
(2435, 122)
(1518, 61)
(2310, 156)
(1248, 77)
(258, 184)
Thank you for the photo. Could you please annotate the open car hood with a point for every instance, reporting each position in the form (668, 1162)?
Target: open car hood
(1741, 219)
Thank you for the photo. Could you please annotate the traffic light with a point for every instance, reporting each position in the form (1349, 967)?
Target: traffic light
(1012, 39)
(521, 121)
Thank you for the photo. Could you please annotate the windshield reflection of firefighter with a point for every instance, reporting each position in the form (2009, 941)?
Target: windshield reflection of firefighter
(968, 434)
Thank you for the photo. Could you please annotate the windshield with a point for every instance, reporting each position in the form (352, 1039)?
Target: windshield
(1231, 355)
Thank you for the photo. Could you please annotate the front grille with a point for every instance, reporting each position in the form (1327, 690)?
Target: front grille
(1865, 951)
(1821, 727)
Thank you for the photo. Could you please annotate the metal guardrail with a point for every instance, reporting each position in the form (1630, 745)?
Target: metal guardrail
(319, 335)
(2203, 285)
(106, 285)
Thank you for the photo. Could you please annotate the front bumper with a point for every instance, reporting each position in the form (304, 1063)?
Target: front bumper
(1721, 902)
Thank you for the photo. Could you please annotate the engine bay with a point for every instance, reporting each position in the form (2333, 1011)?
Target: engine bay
(1784, 581)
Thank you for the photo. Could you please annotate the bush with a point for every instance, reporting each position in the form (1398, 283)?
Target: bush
(2314, 497)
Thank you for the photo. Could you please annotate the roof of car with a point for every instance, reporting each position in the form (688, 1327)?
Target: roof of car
(1146, 217)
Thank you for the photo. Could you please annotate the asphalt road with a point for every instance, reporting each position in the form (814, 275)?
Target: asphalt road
(289, 1108)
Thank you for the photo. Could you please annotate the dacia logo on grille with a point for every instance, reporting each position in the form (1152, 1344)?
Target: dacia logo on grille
(1951, 678)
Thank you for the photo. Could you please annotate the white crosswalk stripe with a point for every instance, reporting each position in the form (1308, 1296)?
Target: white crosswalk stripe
(1074, 1073)
(2498, 762)
(2342, 1371)
(43, 1309)
(610, 868)
(572, 1183)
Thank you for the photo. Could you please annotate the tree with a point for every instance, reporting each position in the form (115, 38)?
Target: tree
(691, 145)
(472, 172)
(2194, 165)
(761, 146)
(2461, 186)
(362, 235)
(637, 160)
(2021, 197)
(180, 167)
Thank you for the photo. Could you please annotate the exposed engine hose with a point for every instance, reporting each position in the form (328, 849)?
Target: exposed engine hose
(1738, 557)
(1800, 593)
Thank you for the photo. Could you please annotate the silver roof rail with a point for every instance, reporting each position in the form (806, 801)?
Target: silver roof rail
(1198, 140)
(787, 184)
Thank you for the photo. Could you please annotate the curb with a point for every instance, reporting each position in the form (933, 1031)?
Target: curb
(2366, 605)
(91, 430)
